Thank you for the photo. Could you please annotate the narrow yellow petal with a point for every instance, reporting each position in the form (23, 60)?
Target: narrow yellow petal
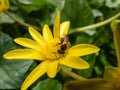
(23, 54)
(83, 49)
(34, 75)
(64, 28)
(74, 62)
(47, 34)
(56, 30)
(52, 69)
(28, 43)
(37, 36)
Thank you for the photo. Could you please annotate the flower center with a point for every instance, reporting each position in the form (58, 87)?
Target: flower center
(56, 49)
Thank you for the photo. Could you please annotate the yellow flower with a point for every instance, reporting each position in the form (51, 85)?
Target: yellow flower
(51, 50)
(4, 5)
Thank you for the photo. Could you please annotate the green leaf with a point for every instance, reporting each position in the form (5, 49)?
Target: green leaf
(6, 19)
(103, 58)
(27, 2)
(83, 38)
(35, 5)
(90, 84)
(97, 13)
(96, 3)
(55, 2)
(115, 25)
(88, 72)
(78, 12)
(48, 84)
(112, 3)
(12, 72)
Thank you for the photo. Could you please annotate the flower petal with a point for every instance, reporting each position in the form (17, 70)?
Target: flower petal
(28, 43)
(52, 69)
(23, 54)
(37, 36)
(34, 75)
(82, 49)
(47, 34)
(64, 28)
(75, 62)
(56, 30)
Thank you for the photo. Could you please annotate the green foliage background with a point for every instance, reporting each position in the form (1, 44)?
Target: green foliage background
(39, 12)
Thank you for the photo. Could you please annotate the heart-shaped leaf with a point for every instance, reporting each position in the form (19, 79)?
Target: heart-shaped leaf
(12, 72)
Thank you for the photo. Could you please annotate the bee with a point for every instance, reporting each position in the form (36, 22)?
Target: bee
(64, 45)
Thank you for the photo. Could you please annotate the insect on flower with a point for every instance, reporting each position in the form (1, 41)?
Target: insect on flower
(52, 50)
(64, 44)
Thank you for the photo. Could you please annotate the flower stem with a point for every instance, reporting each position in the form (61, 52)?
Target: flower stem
(73, 75)
(97, 24)
(19, 21)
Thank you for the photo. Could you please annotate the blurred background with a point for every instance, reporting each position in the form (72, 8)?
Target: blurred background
(81, 13)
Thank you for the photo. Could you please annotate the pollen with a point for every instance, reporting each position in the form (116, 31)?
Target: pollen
(54, 50)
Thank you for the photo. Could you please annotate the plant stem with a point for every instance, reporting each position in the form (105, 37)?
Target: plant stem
(73, 75)
(19, 21)
(97, 24)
